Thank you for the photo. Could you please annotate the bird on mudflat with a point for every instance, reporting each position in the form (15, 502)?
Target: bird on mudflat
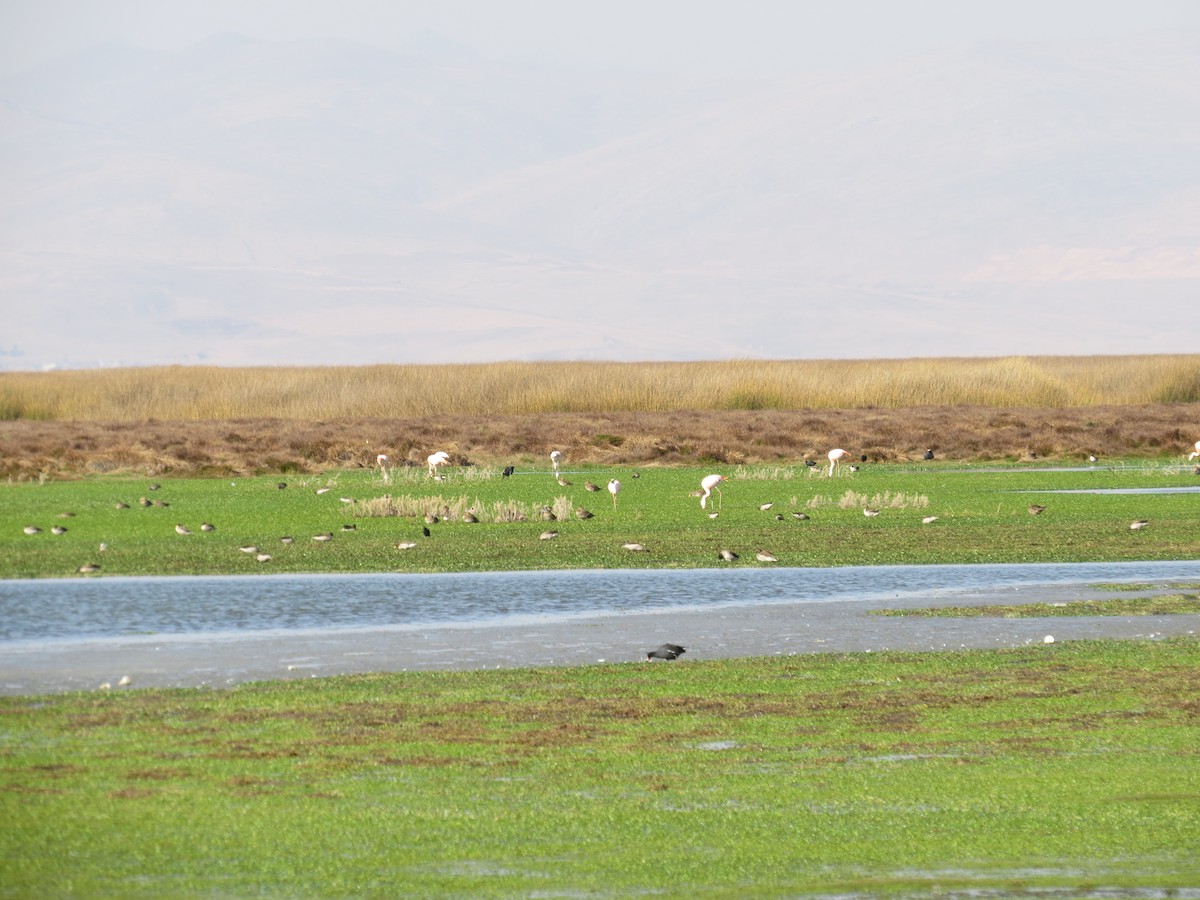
(667, 651)
(1036, 509)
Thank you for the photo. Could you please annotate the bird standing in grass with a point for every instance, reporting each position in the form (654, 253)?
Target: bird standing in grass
(436, 461)
(835, 459)
(555, 459)
(1036, 509)
(667, 651)
(1192, 456)
(382, 460)
(708, 484)
(614, 488)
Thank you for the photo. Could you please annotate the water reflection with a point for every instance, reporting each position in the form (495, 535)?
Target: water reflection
(114, 607)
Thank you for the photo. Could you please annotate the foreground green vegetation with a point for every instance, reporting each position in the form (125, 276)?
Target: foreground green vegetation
(981, 516)
(1012, 772)
(387, 391)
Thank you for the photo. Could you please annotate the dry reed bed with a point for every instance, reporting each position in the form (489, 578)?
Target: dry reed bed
(39, 450)
(387, 391)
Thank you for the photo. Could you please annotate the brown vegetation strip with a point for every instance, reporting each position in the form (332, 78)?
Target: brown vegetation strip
(55, 449)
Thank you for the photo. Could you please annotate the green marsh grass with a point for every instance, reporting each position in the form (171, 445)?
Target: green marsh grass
(1070, 768)
(981, 518)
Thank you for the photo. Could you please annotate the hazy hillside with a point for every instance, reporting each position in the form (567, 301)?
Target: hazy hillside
(319, 202)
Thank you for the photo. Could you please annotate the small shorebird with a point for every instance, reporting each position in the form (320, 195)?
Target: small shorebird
(548, 535)
(636, 548)
(727, 555)
(323, 536)
(667, 651)
(588, 486)
(87, 568)
(765, 506)
(349, 528)
(286, 539)
(58, 529)
(764, 556)
(249, 548)
(406, 545)
(869, 511)
(1036, 509)
(182, 529)
(1139, 524)
(583, 514)
(802, 517)
(928, 520)
(263, 557)
(470, 518)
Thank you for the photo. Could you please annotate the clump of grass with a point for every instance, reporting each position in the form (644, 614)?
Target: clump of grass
(883, 500)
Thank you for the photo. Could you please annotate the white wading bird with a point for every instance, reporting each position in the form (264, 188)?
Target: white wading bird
(1192, 456)
(709, 484)
(382, 460)
(437, 460)
(614, 488)
(835, 458)
(555, 459)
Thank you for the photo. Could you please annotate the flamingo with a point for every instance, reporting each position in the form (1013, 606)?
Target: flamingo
(614, 488)
(835, 457)
(437, 460)
(382, 460)
(709, 484)
(555, 458)
(1192, 456)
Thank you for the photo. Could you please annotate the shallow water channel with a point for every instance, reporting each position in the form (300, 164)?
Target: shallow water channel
(62, 634)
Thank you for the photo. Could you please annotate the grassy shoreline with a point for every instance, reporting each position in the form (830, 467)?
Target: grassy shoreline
(1069, 767)
(813, 520)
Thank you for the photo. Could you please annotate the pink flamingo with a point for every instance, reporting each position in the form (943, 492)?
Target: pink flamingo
(1192, 456)
(614, 488)
(709, 484)
(835, 458)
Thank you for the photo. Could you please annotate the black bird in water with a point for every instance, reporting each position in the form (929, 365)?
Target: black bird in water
(666, 651)
(508, 470)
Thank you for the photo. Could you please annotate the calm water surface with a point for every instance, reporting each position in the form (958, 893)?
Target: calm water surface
(40, 610)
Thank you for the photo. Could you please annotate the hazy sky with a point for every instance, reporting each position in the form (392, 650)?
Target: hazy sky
(684, 35)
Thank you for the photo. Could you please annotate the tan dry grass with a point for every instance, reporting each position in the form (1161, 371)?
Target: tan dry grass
(388, 391)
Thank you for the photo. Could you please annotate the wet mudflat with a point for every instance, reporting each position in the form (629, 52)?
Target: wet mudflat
(709, 625)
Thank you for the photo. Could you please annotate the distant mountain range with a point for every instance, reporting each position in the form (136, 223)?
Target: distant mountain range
(252, 203)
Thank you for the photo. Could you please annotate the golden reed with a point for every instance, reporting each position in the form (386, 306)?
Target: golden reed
(179, 393)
